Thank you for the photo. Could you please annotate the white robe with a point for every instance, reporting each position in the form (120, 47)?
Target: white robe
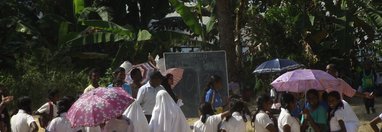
(135, 113)
(167, 115)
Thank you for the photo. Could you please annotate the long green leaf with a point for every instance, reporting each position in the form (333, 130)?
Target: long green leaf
(211, 24)
(188, 17)
(95, 38)
(62, 31)
(79, 5)
(111, 27)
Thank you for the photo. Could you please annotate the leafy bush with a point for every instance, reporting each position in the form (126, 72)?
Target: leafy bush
(33, 81)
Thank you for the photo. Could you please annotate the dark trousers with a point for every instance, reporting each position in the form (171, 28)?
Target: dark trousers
(369, 103)
(148, 117)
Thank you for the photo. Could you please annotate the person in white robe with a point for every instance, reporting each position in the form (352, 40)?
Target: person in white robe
(167, 115)
(135, 113)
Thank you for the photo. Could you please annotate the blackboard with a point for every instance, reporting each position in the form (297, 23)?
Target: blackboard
(198, 67)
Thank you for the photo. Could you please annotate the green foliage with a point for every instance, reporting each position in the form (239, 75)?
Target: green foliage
(188, 17)
(79, 5)
(143, 35)
(35, 81)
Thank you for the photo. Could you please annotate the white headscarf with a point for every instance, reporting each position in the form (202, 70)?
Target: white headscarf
(167, 115)
(135, 113)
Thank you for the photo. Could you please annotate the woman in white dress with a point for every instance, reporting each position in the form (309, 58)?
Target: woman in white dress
(61, 123)
(286, 122)
(237, 121)
(208, 122)
(167, 115)
(263, 120)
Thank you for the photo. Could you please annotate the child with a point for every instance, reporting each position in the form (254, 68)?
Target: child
(336, 112)
(315, 115)
(120, 74)
(286, 122)
(136, 76)
(262, 120)
(237, 121)
(212, 95)
(23, 121)
(208, 122)
(49, 110)
(374, 123)
(341, 116)
(61, 123)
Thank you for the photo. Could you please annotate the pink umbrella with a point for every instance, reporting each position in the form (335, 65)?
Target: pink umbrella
(304, 79)
(177, 74)
(145, 68)
(98, 106)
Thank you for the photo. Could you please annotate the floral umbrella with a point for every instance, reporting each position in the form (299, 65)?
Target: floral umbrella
(98, 106)
(304, 79)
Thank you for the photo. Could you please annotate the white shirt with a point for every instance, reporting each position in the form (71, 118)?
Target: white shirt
(21, 122)
(334, 125)
(211, 124)
(119, 125)
(146, 97)
(348, 114)
(60, 124)
(235, 123)
(286, 119)
(262, 120)
(46, 109)
(92, 129)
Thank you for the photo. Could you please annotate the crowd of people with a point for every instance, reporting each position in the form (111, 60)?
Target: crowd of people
(160, 108)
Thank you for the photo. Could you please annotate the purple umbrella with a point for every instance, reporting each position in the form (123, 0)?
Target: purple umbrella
(304, 79)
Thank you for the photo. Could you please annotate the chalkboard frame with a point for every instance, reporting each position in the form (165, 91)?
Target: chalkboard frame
(204, 52)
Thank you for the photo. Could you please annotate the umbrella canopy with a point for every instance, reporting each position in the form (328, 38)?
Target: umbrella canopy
(277, 65)
(177, 74)
(304, 79)
(98, 106)
(145, 68)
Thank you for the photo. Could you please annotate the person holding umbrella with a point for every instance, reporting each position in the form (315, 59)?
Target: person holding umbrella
(344, 89)
(168, 80)
(61, 123)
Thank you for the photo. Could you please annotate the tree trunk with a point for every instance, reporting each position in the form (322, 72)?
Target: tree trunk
(226, 37)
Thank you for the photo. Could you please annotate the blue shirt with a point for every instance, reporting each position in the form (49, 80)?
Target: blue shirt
(218, 101)
(125, 87)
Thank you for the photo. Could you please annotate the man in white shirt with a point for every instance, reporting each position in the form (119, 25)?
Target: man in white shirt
(147, 93)
(23, 121)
